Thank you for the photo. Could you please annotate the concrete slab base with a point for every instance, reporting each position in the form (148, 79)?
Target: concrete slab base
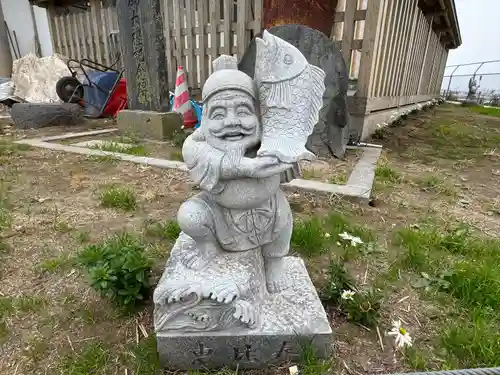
(149, 124)
(359, 184)
(97, 143)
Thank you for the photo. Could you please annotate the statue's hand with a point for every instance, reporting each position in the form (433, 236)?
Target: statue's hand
(261, 167)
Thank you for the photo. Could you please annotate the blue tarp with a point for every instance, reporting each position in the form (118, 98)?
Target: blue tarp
(198, 108)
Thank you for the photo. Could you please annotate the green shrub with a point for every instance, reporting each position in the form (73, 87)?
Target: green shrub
(338, 281)
(119, 269)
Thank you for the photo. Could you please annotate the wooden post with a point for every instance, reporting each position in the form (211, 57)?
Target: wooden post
(5, 54)
(425, 55)
(143, 50)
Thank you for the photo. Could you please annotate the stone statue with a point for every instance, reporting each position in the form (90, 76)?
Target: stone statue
(229, 280)
(473, 87)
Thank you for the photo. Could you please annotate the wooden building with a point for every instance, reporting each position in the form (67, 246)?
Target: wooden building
(396, 50)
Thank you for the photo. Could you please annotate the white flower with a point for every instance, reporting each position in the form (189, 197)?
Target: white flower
(355, 241)
(345, 236)
(347, 295)
(401, 336)
(327, 235)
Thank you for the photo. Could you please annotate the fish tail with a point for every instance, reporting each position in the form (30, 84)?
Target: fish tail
(316, 95)
(287, 151)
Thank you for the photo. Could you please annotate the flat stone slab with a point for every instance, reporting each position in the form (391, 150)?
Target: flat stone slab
(33, 116)
(96, 143)
(199, 333)
(158, 126)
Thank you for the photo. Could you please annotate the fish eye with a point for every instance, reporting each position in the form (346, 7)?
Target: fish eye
(288, 59)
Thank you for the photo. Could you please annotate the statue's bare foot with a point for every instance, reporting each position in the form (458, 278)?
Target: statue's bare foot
(198, 256)
(225, 292)
(245, 313)
(277, 275)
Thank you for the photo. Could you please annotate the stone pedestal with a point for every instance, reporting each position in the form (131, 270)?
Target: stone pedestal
(198, 332)
(158, 126)
(142, 44)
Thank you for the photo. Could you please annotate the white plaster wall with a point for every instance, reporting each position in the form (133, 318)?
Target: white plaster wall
(18, 17)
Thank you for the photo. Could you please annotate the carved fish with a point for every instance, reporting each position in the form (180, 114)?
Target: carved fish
(291, 96)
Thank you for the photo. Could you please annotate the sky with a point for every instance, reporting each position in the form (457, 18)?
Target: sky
(479, 22)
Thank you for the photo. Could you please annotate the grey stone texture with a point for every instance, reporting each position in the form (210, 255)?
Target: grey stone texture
(292, 317)
(150, 124)
(331, 132)
(33, 116)
(142, 45)
(230, 295)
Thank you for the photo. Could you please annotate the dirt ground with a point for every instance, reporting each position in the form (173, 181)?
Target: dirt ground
(442, 166)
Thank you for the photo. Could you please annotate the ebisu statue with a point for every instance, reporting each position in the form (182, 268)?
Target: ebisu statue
(230, 295)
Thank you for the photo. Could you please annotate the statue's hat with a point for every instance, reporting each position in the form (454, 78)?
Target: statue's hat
(226, 76)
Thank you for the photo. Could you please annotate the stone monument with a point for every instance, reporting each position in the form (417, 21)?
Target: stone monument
(473, 86)
(142, 45)
(230, 295)
(332, 132)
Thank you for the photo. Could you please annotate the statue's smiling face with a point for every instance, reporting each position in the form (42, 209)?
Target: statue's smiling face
(230, 120)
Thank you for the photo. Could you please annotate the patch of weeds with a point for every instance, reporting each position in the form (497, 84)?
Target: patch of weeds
(119, 269)
(339, 179)
(415, 358)
(362, 308)
(62, 227)
(168, 230)
(179, 138)
(309, 174)
(146, 358)
(436, 184)
(495, 112)
(82, 236)
(105, 159)
(118, 197)
(472, 344)
(309, 362)
(336, 223)
(8, 148)
(54, 265)
(418, 245)
(23, 304)
(92, 359)
(476, 284)
(308, 237)
(35, 349)
(138, 150)
(338, 280)
(387, 175)
(5, 210)
(382, 133)
(176, 155)
(130, 138)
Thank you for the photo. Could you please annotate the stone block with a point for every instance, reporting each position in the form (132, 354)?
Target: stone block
(149, 124)
(203, 334)
(33, 115)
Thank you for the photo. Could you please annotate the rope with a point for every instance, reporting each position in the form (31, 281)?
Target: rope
(474, 371)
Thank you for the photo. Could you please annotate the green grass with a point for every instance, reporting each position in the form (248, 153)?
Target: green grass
(339, 178)
(308, 237)
(464, 269)
(146, 358)
(436, 184)
(54, 265)
(495, 112)
(386, 174)
(138, 150)
(168, 230)
(309, 174)
(94, 358)
(5, 209)
(8, 148)
(118, 197)
(21, 305)
(82, 236)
